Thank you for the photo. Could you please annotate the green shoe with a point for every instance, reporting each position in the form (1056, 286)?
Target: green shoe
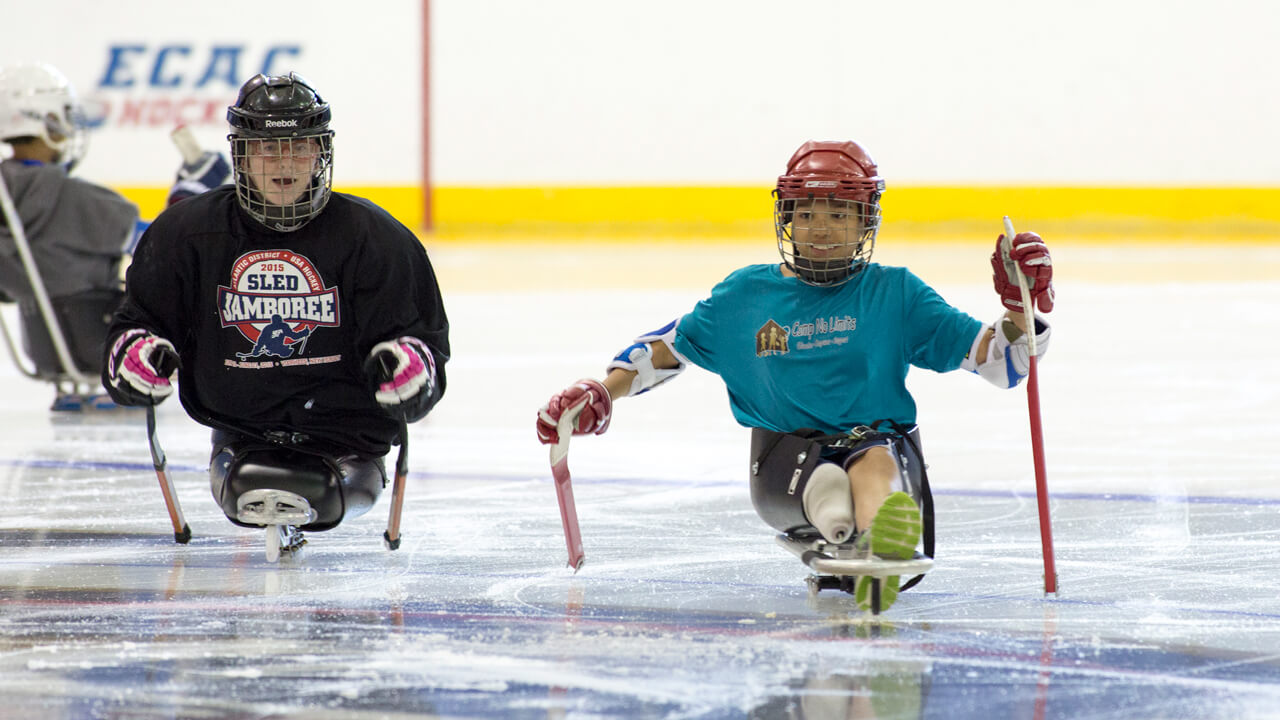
(888, 593)
(895, 530)
(893, 535)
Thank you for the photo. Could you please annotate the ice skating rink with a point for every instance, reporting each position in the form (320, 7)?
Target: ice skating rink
(1159, 402)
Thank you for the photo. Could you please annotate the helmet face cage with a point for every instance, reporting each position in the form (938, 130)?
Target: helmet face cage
(38, 101)
(826, 241)
(281, 151)
(283, 182)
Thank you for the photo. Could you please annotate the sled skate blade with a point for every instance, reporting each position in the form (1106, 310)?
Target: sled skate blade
(266, 506)
(845, 560)
(282, 540)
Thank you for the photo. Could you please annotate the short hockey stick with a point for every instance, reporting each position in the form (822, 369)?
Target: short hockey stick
(564, 488)
(392, 535)
(1033, 409)
(382, 366)
(181, 531)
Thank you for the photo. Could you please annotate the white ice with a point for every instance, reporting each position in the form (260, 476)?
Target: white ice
(1158, 401)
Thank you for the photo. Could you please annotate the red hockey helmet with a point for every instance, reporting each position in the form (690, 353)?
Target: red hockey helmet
(837, 189)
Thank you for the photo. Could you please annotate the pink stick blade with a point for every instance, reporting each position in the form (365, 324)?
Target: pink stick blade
(568, 512)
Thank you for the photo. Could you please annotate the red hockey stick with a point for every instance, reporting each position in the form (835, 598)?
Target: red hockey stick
(1037, 434)
(564, 490)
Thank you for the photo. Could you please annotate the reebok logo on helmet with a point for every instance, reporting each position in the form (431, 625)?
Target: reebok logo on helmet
(282, 123)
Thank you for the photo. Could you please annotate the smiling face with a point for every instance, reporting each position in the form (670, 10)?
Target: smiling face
(825, 230)
(823, 240)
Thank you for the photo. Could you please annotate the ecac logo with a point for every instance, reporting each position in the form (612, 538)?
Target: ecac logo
(171, 66)
(167, 84)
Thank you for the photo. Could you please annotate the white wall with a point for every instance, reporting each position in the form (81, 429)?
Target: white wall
(989, 91)
(721, 91)
(364, 58)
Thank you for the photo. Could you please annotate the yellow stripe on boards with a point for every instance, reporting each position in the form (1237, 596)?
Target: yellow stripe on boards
(636, 213)
(402, 201)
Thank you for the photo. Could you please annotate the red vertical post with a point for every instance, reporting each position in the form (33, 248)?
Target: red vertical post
(428, 219)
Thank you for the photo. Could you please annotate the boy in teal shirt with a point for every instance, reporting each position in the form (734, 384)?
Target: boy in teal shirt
(814, 353)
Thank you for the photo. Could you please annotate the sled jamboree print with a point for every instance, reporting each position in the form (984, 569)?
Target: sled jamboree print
(276, 299)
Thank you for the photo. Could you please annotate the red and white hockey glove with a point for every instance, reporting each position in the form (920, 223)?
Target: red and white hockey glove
(594, 418)
(1032, 256)
(404, 369)
(139, 367)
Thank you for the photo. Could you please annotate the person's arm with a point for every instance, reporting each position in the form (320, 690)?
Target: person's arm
(647, 363)
(205, 172)
(407, 332)
(989, 332)
(146, 337)
(620, 380)
(1000, 352)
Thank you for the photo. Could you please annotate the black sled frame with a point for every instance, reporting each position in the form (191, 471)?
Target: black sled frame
(182, 532)
(68, 374)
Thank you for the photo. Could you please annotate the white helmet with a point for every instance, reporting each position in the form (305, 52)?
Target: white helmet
(38, 101)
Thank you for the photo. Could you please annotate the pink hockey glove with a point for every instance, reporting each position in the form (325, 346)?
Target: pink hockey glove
(404, 368)
(140, 366)
(1032, 256)
(598, 407)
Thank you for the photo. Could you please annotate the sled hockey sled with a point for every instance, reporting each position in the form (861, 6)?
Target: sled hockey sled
(263, 501)
(62, 337)
(282, 492)
(838, 567)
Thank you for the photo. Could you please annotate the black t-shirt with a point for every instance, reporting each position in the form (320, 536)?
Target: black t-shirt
(273, 328)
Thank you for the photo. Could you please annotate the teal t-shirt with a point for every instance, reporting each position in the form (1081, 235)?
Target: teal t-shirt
(796, 356)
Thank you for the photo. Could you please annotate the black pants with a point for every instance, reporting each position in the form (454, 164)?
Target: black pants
(781, 464)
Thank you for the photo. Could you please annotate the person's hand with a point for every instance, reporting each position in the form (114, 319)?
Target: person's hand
(1031, 255)
(206, 173)
(404, 370)
(597, 407)
(140, 366)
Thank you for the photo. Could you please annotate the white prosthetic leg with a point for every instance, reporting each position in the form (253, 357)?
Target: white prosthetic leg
(870, 567)
(279, 512)
(828, 503)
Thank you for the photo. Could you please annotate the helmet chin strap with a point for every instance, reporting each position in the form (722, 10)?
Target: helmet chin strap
(826, 273)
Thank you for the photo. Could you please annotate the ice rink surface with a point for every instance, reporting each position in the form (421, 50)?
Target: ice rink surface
(1158, 395)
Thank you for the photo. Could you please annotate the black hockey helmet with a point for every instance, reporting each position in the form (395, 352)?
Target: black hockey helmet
(278, 106)
(285, 108)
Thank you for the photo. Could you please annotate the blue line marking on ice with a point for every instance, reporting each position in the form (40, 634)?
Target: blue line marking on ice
(677, 482)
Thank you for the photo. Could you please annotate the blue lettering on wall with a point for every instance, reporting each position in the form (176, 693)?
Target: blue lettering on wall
(227, 56)
(118, 65)
(170, 66)
(157, 79)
